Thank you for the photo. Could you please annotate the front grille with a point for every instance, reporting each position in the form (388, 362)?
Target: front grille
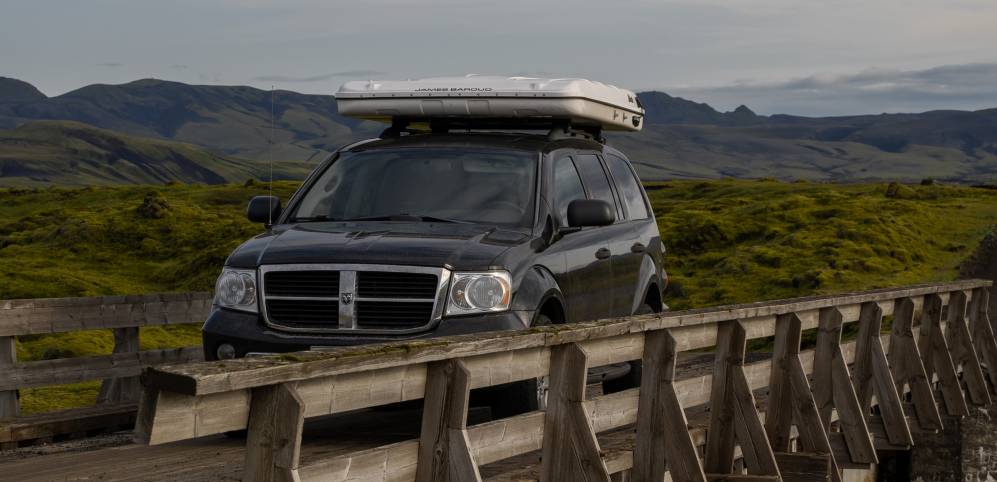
(326, 298)
(304, 313)
(303, 283)
(388, 314)
(383, 284)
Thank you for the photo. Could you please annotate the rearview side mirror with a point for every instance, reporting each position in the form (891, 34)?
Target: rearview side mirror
(263, 209)
(590, 212)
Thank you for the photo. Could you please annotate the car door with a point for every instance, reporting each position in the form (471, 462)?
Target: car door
(631, 238)
(594, 284)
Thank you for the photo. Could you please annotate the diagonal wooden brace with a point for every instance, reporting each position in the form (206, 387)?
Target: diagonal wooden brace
(938, 359)
(790, 399)
(570, 448)
(963, 351)
(833, 389)
(907, 367)
(663, 439)
(983, 333)
(444, 450)
(732, 405)
(872, 374)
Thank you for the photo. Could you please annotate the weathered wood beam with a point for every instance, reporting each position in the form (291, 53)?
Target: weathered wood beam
(444, 449)
(833, 389)
(983, 333)
(937, 357)
(570, 448)
(73, 370)
(798, 467)
(123, 389)
(663, 440)
(732, 405)
(963, 351)
(872, 375)
(9, 403)
(907, 368)
(273, 443)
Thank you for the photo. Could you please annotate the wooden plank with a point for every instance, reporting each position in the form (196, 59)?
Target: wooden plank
(907, 369)
(872, 375)
(444, 448)
(123, 389)
(983, 333)
(797, 467)
(9, 400)
(963, 351)
(785, 354)
(55, 315)
(720, 439)
(238, 374)
(938, 358)
(662, 428)
(758, 456)
(63, 422)
(273, 443)
(570, 449)
(73, 370)
(833, 389)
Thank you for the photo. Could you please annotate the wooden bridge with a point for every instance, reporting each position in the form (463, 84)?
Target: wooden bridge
(835, 392)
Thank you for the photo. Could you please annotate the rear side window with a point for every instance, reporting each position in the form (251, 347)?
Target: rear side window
(567, 186)
(629, 187)
(595, 179)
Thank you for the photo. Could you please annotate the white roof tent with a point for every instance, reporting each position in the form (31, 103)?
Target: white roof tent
(486, 102)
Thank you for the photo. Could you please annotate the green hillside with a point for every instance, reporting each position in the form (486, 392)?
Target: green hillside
(728, 242)
(73, 154)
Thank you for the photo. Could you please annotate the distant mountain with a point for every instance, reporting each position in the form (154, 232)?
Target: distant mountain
(71, 153)
(681, 138)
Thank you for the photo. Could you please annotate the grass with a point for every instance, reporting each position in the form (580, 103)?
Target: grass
(728, 242)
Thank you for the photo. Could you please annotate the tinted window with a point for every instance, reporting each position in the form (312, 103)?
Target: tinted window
(628, 187)
(595, 178)
(567, 186)
(483, 186)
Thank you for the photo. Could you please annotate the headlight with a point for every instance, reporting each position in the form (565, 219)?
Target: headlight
(236, 289)
(479, 293)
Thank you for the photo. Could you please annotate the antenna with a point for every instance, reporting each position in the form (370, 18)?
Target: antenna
(270, 155)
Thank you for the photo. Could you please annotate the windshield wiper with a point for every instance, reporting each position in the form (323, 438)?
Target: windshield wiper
(307, 219)
(406, 217)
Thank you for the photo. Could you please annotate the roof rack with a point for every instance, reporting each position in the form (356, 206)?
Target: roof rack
(556, 128)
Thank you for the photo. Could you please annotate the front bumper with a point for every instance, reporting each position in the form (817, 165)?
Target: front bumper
(248, 334)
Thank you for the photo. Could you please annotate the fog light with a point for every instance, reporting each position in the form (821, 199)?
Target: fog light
(225, 351)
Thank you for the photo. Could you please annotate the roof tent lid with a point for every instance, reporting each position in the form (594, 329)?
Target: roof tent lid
(526, 98)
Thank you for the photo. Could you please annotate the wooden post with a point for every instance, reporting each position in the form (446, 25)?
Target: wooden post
(790, 400)
(444, 450)
(983, 333)
(963, 351)
(570, 448)
(273, 444)
(938, 358)
(732, 405)
(9, 404)
(123, 389)
(833, 389)
(872, 373)
(662, 428)
(907, 368)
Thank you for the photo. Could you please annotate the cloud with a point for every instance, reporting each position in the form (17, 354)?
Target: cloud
(966, 86)
(110, 64)
(319, 78)
(180, 66)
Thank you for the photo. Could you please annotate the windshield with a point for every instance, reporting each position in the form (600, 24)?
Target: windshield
(439, 184)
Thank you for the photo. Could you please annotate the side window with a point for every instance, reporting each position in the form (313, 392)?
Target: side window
(595, 180)
(567, 187)
(628, 186)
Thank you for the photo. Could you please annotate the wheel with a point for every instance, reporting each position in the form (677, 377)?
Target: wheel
(520, 397)
(632, 378)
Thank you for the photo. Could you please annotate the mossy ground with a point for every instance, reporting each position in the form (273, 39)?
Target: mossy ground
(728, 242)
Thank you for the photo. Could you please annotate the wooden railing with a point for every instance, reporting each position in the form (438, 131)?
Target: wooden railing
(818, 402)
(119, 393)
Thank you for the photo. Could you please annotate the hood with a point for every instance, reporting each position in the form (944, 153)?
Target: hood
(459, 246)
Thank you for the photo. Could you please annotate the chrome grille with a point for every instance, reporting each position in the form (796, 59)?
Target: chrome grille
(355, 298)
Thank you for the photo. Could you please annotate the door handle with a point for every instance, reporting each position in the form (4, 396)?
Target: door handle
(602, 253)
(638, 248)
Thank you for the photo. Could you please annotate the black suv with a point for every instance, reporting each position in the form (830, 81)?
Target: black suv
(428, 235)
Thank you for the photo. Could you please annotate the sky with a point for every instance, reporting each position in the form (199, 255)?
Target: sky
(804, 57)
